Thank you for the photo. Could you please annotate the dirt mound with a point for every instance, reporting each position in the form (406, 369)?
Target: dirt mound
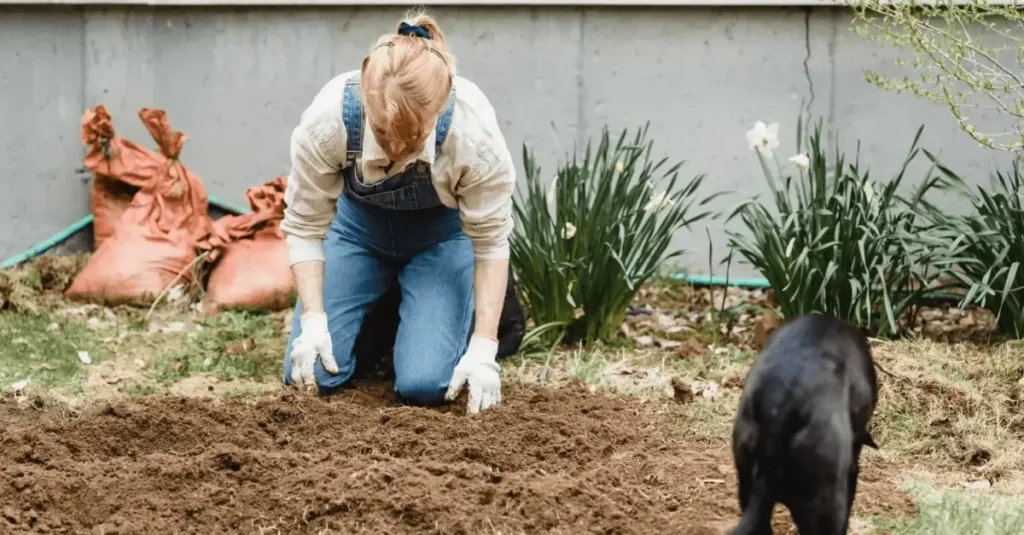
(554, 461)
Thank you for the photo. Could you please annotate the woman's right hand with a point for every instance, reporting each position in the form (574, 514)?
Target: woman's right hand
(313, 342)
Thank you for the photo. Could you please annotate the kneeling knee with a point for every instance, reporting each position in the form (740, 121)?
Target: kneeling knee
(424, 390)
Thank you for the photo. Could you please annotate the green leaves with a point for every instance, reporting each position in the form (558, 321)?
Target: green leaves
(963, 55)
(587, 240)
(838, 242)
(985, 248)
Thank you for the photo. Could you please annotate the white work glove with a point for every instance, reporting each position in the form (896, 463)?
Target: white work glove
(313, 343)
(478, 368)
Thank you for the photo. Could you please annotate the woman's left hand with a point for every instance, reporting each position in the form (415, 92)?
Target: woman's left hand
(479, 369)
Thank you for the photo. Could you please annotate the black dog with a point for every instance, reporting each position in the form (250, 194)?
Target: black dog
(801, 424)
(376, 340)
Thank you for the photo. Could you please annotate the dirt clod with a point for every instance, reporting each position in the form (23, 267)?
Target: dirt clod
(681, 391)
(11, 515)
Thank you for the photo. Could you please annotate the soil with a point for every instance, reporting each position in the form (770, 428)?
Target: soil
(546, 460)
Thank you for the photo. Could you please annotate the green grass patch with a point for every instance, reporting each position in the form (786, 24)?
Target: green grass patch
(138, 390)
(48, 358)
(231, 345)
(958, 512)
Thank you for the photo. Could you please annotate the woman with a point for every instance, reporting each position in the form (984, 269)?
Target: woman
(400, 173)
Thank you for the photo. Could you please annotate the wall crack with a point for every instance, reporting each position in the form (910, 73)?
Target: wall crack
(807, 58)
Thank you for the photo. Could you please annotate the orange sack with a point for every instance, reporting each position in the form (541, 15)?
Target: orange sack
(251, 270)
(120, 168)
(154, 243)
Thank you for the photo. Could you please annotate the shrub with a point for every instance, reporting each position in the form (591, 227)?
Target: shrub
(985, 248)
(965, 56)
(585, 243)
(839, 242)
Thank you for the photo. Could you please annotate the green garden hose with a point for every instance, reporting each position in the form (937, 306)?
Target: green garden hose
(77, 226)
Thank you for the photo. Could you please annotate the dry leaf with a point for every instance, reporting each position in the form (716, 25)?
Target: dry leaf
(644, 340)
(691, 349)
(668, 344)
(706, 389)
(625, 330)
(176, 293)
(978, 485)
(241, 347)
(82, 310)
(719, 350)
(666, 321)
(172, 327)
(767, 324)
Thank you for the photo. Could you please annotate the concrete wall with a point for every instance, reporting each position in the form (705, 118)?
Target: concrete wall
(236, 80)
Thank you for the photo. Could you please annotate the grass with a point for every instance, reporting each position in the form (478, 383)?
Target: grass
(231, 346)
(958, 405)
(131, 357)
(958, 512)
(33, 350)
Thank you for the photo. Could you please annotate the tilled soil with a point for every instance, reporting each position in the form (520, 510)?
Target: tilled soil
(546, 461)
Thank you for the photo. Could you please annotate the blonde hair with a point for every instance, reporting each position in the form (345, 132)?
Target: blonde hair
(406, 80)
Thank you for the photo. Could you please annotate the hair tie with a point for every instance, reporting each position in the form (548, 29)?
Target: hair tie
(409, 29)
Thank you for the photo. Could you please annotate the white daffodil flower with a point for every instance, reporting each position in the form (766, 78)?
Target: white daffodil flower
(764, 137)
(658, 201)
(569, 231)
(801, 161)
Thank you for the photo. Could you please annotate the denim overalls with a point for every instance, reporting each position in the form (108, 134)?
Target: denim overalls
(396, 230)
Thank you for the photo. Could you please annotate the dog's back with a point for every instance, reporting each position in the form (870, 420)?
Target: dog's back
(801, 422)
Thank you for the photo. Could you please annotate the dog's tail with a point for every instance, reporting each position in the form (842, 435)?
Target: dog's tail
(772, 444)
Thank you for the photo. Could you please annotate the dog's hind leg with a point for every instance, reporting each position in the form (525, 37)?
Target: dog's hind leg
(824, 513)
(851, 488)
(818, 491)
(755, 497)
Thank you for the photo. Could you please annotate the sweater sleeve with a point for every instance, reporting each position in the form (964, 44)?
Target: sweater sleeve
(317, 152)
(485, 203)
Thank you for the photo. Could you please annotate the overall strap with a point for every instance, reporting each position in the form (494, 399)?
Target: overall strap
(352, 117)
(444, 121)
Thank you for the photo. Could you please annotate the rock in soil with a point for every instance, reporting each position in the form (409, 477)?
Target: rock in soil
(551, 461)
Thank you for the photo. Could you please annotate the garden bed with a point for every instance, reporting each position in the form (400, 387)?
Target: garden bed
(178, 423)
(548, 460)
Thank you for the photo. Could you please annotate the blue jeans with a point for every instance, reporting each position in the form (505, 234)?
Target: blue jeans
(366, 251)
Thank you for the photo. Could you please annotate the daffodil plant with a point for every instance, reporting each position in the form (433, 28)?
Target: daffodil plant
(985, 247)
(586, 241)
(834, 240)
